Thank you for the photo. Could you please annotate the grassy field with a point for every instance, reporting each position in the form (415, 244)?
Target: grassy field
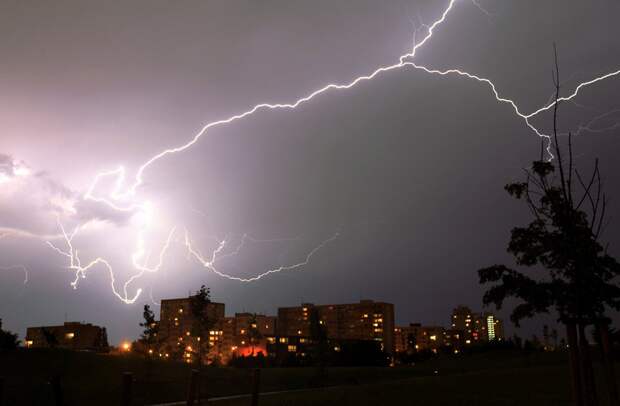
(497, 378)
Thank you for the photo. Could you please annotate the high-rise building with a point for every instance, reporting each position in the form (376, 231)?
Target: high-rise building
(494, 327)
(462, 320)
(366, 320)
(476, 327)
(71, 335)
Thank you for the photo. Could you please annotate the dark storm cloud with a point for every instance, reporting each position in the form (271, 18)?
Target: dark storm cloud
(408, 167)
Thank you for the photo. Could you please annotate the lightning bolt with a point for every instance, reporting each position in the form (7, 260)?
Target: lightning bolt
(80, 271)
(121, 194)
(22, 268)
(211, 262)
(589, 126)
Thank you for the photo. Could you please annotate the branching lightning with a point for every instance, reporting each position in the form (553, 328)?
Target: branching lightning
(22, 268)
(122, 196)
(80, 270)
(210, 263)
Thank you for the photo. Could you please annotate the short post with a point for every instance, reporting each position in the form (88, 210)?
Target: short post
(1, 390)
(255, 386)
(56, 390)
(193, 386)
(126, 383)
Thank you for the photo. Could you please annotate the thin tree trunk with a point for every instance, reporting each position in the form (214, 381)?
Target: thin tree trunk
(586, 369)
(608, 362)
(575, 367)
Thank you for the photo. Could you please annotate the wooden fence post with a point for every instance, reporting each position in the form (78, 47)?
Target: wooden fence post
(608, 362)
(56, 390)
(255, 386)
(193, 386)
(126, 383)
(575, 363)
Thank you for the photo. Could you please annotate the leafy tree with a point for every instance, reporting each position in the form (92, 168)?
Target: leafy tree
(254, 333)
(320, 344)
(563, 240)
(50, 338)
(8, 340)
(151, 328)
(201, 322)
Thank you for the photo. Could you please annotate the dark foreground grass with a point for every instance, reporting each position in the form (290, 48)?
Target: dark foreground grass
(496, 378)
(541, 386)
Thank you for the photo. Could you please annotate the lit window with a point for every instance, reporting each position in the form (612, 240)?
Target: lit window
(292, 348)
(181, 310)
(433, 338)
(298, 331)
(283, 340)
(242, 331)
(70, 335)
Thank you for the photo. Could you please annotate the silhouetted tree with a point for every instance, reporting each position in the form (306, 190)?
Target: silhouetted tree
(254, 334)
(8, 340)
(320, 343)
(150, 343)
(563, 239)
(151, 329)
(50, 338)
(201, 322)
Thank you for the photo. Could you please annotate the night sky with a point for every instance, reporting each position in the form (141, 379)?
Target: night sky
(408, 168)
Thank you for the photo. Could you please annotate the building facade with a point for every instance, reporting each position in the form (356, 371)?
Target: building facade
(476, 327)
(70, 335)
(366, 320)
(406, 338)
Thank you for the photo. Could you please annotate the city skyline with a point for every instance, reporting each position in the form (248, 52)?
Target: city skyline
(229, 335)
